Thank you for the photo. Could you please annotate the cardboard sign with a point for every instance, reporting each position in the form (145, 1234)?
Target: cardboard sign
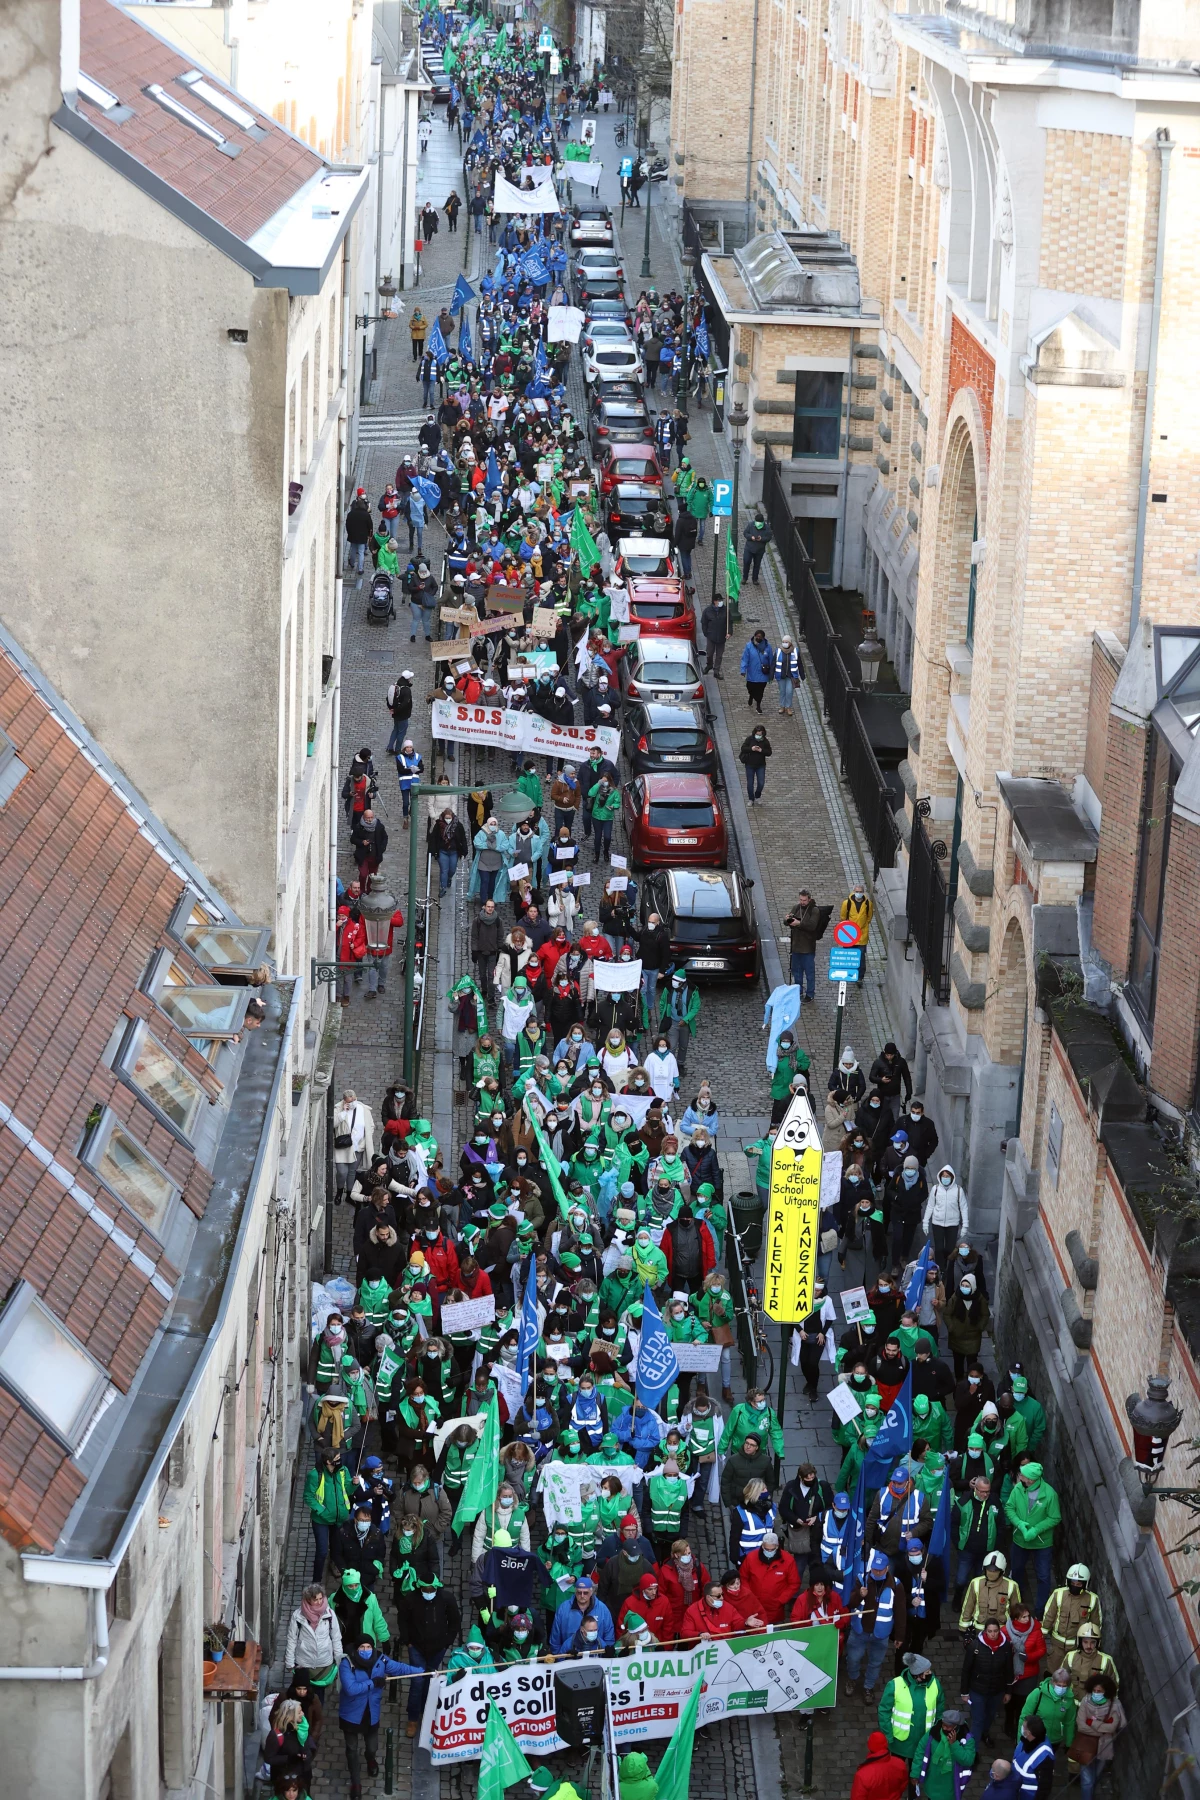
(503, 599)
(502, 622)
(545, 621)
(458, 615)
(855, 1305)
(468, 1315)
(448, 650)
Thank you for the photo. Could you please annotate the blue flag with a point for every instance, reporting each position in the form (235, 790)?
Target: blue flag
(464, 339)
(894, 1438)
(463, 291)
(702, 337)
(491, 480)
(657, 1363)
(529, 1329)
(940, 1536)
(916, 1286)
(854, 1536)
(437, 344)
(429, 491)
(534, 269)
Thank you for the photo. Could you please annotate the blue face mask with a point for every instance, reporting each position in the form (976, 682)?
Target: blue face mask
(910, 1177)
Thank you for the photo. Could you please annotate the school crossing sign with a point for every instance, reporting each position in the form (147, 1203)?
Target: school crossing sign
(793, 1216)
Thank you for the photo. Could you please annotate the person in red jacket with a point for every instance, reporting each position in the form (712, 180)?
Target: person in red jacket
(743, 1601)
(708, 1249)
(652, 1605)
(681, 1580)
(442, 1259)
(773, 1577)
(820, 1604)
(351, 948)
(712, 1617)
(882, 1776)
(593, 945)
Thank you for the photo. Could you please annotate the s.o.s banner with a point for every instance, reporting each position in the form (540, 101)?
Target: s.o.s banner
(777, 1671)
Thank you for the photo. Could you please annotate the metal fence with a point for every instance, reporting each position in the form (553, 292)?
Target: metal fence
(927, 907)
(839, 683)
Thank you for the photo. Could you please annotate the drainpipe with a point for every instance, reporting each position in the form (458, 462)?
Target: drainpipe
(750, 126)
(98, 1663)
(1164, 147)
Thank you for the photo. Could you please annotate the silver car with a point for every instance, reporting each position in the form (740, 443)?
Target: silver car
(661, 668)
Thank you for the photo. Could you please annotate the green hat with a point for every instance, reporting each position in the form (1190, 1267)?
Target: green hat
(469, 1233)
(1030, 1472)
(609, 1441)
(502, 1540)
(475, 1636)
(542, 1780)
(497, 1210)
(351, 1583)
(975, 1442)
(921, 1405)
(706, 1188)
(569, 1260)
(419, 1128)
(633, 1622)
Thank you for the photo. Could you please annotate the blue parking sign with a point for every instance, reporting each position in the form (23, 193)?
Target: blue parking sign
(844, 965)
(722, 499)
(626, 167)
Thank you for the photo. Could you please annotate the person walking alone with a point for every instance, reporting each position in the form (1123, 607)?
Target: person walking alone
(758, 667)
(788, 671)
(714, 625)
(753, 754)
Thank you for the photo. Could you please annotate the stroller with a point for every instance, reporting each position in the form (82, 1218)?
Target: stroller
(380, 605)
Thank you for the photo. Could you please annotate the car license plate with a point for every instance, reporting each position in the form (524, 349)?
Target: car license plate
(707, 962)
(677, 759)
(677, 840)
(664, 694)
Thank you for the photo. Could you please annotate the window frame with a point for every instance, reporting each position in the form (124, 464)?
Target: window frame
(12, 770)
(23, 1300)
(94, 1149)
(819, 412)
(124, 1064)
(238, 998)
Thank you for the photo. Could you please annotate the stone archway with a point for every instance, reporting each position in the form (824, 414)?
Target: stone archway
(1008, 1032)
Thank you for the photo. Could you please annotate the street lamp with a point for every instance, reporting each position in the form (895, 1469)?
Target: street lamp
(737, 420)
(688, 259)
(646, 239)
(1154, 1422)
(377, 909)
(870, 654)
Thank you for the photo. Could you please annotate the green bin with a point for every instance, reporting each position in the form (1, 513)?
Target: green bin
(747, 1217)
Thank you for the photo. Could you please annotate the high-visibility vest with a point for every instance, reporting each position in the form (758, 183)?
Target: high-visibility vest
(667, 1497)
(832, 1532)
(1027, 1760)
(902, 1706)
(754, 1529)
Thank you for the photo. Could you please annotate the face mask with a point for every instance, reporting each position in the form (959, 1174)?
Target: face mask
(885, 1287)
(520, 1637)
(417, 1398)
(759, 1406)
(420, 1487)
(506, 1506)
(910, 1177)
(769, 1555)
(716, 1605)
(632, 1552)
(590, 1637)
(945, 1180)
(1098, 1699)
(577, 1037)
(964, 1290)
(685, 1562)
(428, 1593)
(475, 1651)
(362, 1526)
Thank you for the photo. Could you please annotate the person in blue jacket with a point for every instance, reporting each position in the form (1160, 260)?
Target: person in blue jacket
(569, 1618)
(758, 666)
(362, 1675)
(637, 1428)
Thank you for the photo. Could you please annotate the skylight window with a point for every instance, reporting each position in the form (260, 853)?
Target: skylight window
(225, 946)
(48, 1370)
(162, 1081)
(96, 92)
(222, 103)
(176, 108)
(129, 1170)
(12, 770)
(205, 1012)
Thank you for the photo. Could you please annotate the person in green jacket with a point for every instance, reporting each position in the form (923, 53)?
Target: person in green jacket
(1053, 1702)
(359, 1614)
(752, 1415)
(931, 1422)
(863, 1429)
(529, 783)
(1031, 1410)
(792, 1061)
(474, 1654)
(604, 802)
(387, 558)
(637, 1783)
(910, 1706)
(699, 504)
(1033, 1511)
(327, 1495)
(648, 1261)
(949, 1746)
(668, 1495)
(762, 1148)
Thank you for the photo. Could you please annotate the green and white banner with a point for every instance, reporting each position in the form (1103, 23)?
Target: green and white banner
(769, 1672)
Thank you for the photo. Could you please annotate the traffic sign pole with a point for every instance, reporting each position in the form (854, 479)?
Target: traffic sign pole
(716, 525)
(837, 1031)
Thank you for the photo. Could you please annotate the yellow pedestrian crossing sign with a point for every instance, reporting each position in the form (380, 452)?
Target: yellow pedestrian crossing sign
(793, 1216)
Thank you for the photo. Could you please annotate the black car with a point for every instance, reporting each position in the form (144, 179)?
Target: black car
(631, 507)
(590, 287)
(663, 739)
(619, 422)
(710, 916)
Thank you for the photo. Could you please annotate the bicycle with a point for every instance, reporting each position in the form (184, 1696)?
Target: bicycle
(619, 134)
(764, 1366)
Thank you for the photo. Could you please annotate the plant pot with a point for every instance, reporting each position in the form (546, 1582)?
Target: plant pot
(210, 1668)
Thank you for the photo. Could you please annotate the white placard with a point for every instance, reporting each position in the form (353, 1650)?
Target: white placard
(518, 872)
(617, 884)
(559, 1485)
(843, 1402)
(617, 977)
(855, 1305)
(582, 880)
(565, 852)
(561, 877)
(831, 1178)
(628, 634)
(636, 1105)
(618, 862)
(701, 1358)
(466, 1315)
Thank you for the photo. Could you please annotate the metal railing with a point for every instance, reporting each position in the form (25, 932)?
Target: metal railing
(738, 1274)
(872, 796)
(927, 908)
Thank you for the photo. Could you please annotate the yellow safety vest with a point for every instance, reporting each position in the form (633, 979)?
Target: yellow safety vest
(902, 1706)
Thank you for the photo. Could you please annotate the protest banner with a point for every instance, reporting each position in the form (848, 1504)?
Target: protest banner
(697, 1358)
(503, 728)
(501, 622)
(617, 977)
(760, 1672)
(468, 1315)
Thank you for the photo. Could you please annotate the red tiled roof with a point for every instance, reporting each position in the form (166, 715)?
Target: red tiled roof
(85, 899)
(241, 193)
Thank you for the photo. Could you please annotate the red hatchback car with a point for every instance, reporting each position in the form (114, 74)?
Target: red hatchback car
(629, 462)
(661, 606)
(674, 821)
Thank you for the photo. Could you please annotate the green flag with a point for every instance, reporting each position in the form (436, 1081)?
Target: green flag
(583, 544)
(549, 1162)
(675, 1769)
(733, 573)
(501, 42)
(501, 1763)
(483, 1476)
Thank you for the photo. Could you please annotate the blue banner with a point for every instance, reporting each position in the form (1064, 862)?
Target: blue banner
(464, 340)
(492, 476)
(657, 1365)
(941, 1537)
(894, 1438)
(429, 491)
(702, 337)
(437, 344)
(854, 1536)
(529, 1330)
(916, 1286)
(463, 291)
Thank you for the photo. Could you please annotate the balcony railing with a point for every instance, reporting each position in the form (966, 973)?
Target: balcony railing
(927, 907)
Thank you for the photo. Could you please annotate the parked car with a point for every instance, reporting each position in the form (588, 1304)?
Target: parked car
(601, 356)
(607, 331)
(661, 608)
(591, 225)
(619, 422)
(599, 260)
(632, 508)
(651, 556)
(665, 737)
(607, 309)
(661, 669)
(672, 819)
(589, 286)
(629, 462)
(709, 914)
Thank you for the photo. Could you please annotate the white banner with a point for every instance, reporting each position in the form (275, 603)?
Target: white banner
(617, 977)
(698, 1358)
(540, 171)
(509, 730)
(778, 1671)
(588, 173)
(542, 199)
(465, 1315)
(564, 324)
(559, 1484)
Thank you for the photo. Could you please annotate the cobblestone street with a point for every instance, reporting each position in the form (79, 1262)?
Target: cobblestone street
(805, 831)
